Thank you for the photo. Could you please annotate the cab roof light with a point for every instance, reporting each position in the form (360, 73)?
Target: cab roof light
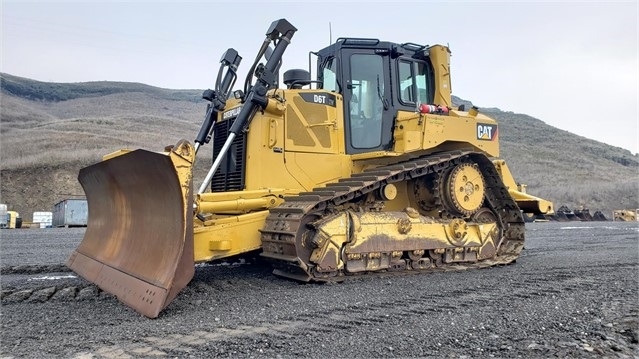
(358, 41)
(413, 46)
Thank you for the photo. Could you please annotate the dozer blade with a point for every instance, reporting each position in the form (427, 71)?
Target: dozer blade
(138, 244)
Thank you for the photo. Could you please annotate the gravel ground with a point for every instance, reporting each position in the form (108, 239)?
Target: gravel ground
(573, 293)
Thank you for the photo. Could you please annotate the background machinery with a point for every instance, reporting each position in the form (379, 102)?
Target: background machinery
(367, 168)
(625, 215)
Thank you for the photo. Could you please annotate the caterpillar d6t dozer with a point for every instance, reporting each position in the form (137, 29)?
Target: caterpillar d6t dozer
(366, 168)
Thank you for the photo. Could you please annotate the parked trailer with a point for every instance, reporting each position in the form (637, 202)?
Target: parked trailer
(71, 213)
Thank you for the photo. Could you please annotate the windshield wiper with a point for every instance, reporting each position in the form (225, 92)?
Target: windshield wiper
(379, 94)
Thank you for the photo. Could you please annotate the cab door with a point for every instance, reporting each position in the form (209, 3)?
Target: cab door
(366, 92)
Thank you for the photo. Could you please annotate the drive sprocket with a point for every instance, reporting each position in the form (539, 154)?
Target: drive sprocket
(463, 189)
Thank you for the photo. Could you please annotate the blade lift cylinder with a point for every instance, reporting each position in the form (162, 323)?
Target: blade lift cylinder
(280, 31)
(217, 98)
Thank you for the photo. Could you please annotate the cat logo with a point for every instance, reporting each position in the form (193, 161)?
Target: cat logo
(231, 113)
(486, 132)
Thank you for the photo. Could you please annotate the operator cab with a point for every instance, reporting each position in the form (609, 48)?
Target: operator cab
(376, 79)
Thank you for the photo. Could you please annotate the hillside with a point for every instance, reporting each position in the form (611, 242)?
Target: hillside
(48, 131)
(50, 91)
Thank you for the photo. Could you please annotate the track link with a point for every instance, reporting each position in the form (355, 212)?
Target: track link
(285, 227)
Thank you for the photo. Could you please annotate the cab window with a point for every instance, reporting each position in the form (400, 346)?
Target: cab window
(329, 76)
(414, 82)
(366, 102)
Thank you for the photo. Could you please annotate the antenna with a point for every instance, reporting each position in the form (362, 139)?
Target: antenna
(330, 33)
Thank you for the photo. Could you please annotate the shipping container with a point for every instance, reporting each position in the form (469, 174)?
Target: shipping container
(44, 219)
(71, 213)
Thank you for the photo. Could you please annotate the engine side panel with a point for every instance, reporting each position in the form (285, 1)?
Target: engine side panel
(416, 132)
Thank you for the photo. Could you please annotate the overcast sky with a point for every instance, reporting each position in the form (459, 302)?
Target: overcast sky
(573, 65)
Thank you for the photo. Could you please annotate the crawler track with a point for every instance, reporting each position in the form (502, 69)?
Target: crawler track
(283, 234)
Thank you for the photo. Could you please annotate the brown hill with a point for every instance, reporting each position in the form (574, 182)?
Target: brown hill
(48, 131)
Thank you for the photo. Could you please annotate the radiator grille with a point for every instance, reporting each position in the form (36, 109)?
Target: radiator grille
(230, 175)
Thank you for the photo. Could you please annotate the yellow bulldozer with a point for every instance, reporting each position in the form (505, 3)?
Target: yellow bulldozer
(368, 168)
(625, 215)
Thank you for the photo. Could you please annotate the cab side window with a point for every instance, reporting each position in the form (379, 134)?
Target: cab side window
(406, 87)
(329, 77)
(414, 82)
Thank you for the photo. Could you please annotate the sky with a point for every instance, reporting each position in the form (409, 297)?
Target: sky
(573, 65)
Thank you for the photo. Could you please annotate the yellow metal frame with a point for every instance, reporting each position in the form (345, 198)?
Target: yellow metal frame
(229, 223)
(525, 201)
(226, 236)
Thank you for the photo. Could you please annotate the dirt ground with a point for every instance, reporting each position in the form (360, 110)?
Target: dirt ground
(572, 293)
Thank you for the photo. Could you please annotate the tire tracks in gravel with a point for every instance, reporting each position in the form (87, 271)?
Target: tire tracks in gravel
(553, 281)
(39, 294)
(34, 269)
